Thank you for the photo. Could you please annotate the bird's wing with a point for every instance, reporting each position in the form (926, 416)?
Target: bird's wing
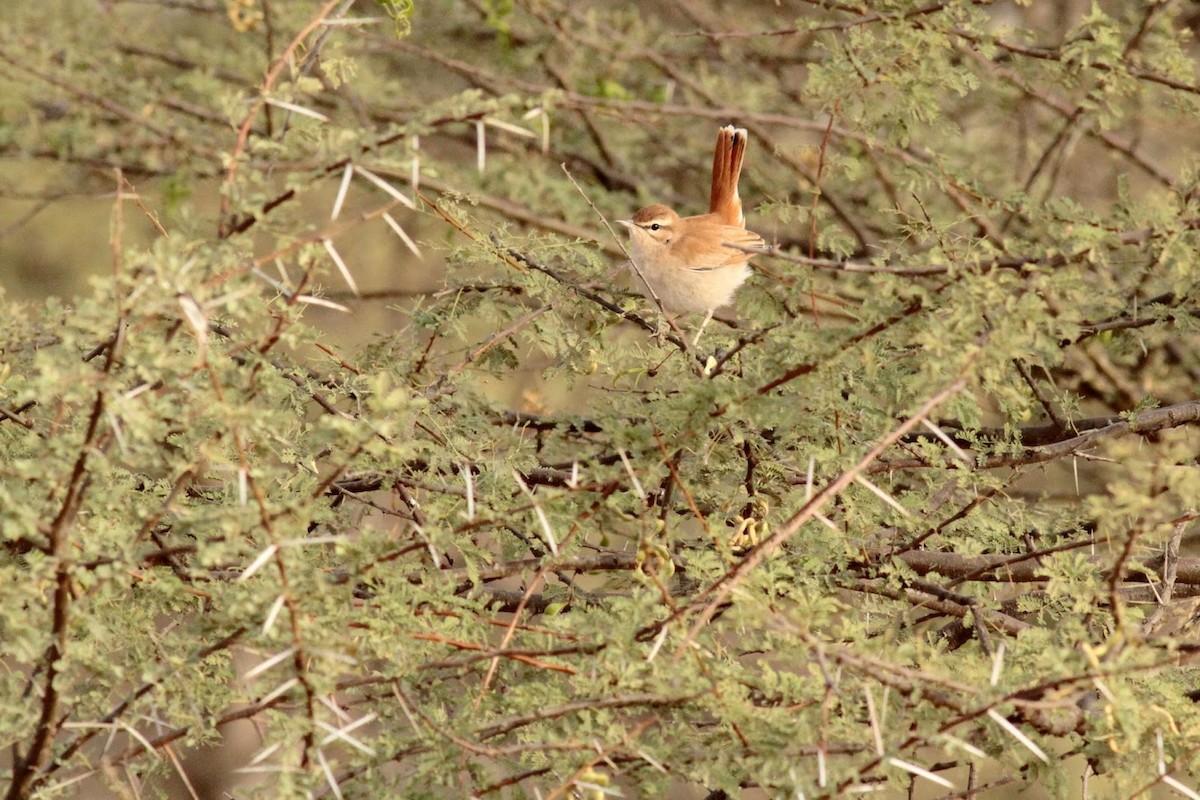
(716, 258)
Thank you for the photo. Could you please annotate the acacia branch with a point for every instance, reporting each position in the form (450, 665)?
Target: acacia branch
(1141, 423)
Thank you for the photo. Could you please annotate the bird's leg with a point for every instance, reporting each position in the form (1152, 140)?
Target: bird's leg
(707, 319)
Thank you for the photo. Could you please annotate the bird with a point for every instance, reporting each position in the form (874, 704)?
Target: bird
(696, 264)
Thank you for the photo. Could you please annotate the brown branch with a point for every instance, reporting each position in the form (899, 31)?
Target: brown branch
(27, 767)
(925, 598)
(243, 134)
(1106, 428)
(1025, 569)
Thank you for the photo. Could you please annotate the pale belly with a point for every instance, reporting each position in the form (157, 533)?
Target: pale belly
(683, 291)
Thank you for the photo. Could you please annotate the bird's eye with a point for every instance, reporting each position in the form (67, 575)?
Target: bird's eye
(655, 226)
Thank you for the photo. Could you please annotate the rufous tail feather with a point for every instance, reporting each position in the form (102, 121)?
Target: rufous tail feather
(727, 169)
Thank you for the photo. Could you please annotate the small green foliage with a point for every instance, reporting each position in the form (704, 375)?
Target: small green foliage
(401, 13)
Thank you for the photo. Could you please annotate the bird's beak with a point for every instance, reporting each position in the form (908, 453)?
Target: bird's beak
(628, 223)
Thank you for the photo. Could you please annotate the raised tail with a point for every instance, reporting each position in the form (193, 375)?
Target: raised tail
(727, 169)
